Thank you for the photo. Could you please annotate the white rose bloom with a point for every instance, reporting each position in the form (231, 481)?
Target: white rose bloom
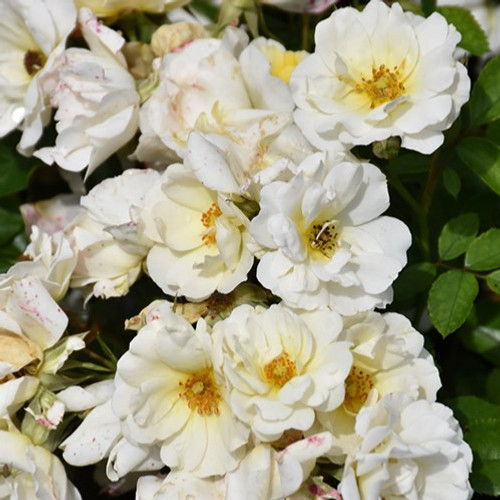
(361, 86)
(324, 239)
(31, 472)
(32, 34)
(193, 79)
(52, 259)
(200, 237)
(98, 107)
(168, 394)
(264, 474)
(109, 237)
(281, 366)
(407, 450)
(388, 356)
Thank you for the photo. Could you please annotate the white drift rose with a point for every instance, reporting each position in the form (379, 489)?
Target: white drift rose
(380, 73)
(98, 106)
(168, 394)
(408, 449)
(324, 240)
(199, 237)
(108, 235)
(31, 472)
(388, 356)
(32, 34)
(193, 79)
(281, 366)
(264, 474)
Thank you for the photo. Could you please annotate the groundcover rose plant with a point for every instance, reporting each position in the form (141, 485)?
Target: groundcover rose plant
(249, 250)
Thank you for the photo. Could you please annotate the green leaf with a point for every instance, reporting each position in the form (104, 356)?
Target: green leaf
(10, 225)
(483, 253)
(413, 280)
(15, 170)
(457, 235)
(473, 37)
(493, 281)
(485, 96)
(483, 157)
(452, 182)
(450, 300)
(480, 421)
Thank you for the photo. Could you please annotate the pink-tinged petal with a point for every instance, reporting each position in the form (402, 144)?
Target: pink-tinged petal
(39, 316)
(297, 461)
(94, 438)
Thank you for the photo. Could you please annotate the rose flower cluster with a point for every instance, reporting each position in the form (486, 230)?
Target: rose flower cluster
(267, 369)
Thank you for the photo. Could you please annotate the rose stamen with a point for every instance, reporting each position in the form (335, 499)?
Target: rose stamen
(208, 219)
(201, 393)
(385, 85)
(358, 385)
(280, 370)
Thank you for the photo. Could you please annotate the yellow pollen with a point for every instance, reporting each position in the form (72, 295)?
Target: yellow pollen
(282, 62)
(280, 370)
(201, 393)
(384, 86)
(357, 387)
(208, 219)
(33, 61)
(322, 237)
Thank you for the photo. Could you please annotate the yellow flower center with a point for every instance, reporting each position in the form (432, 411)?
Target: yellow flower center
(201, 393)
(358, 384)
(280, 370)
(322, 238)
(208, 219)
(34, 61)
(282, 62)
(384, 85)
